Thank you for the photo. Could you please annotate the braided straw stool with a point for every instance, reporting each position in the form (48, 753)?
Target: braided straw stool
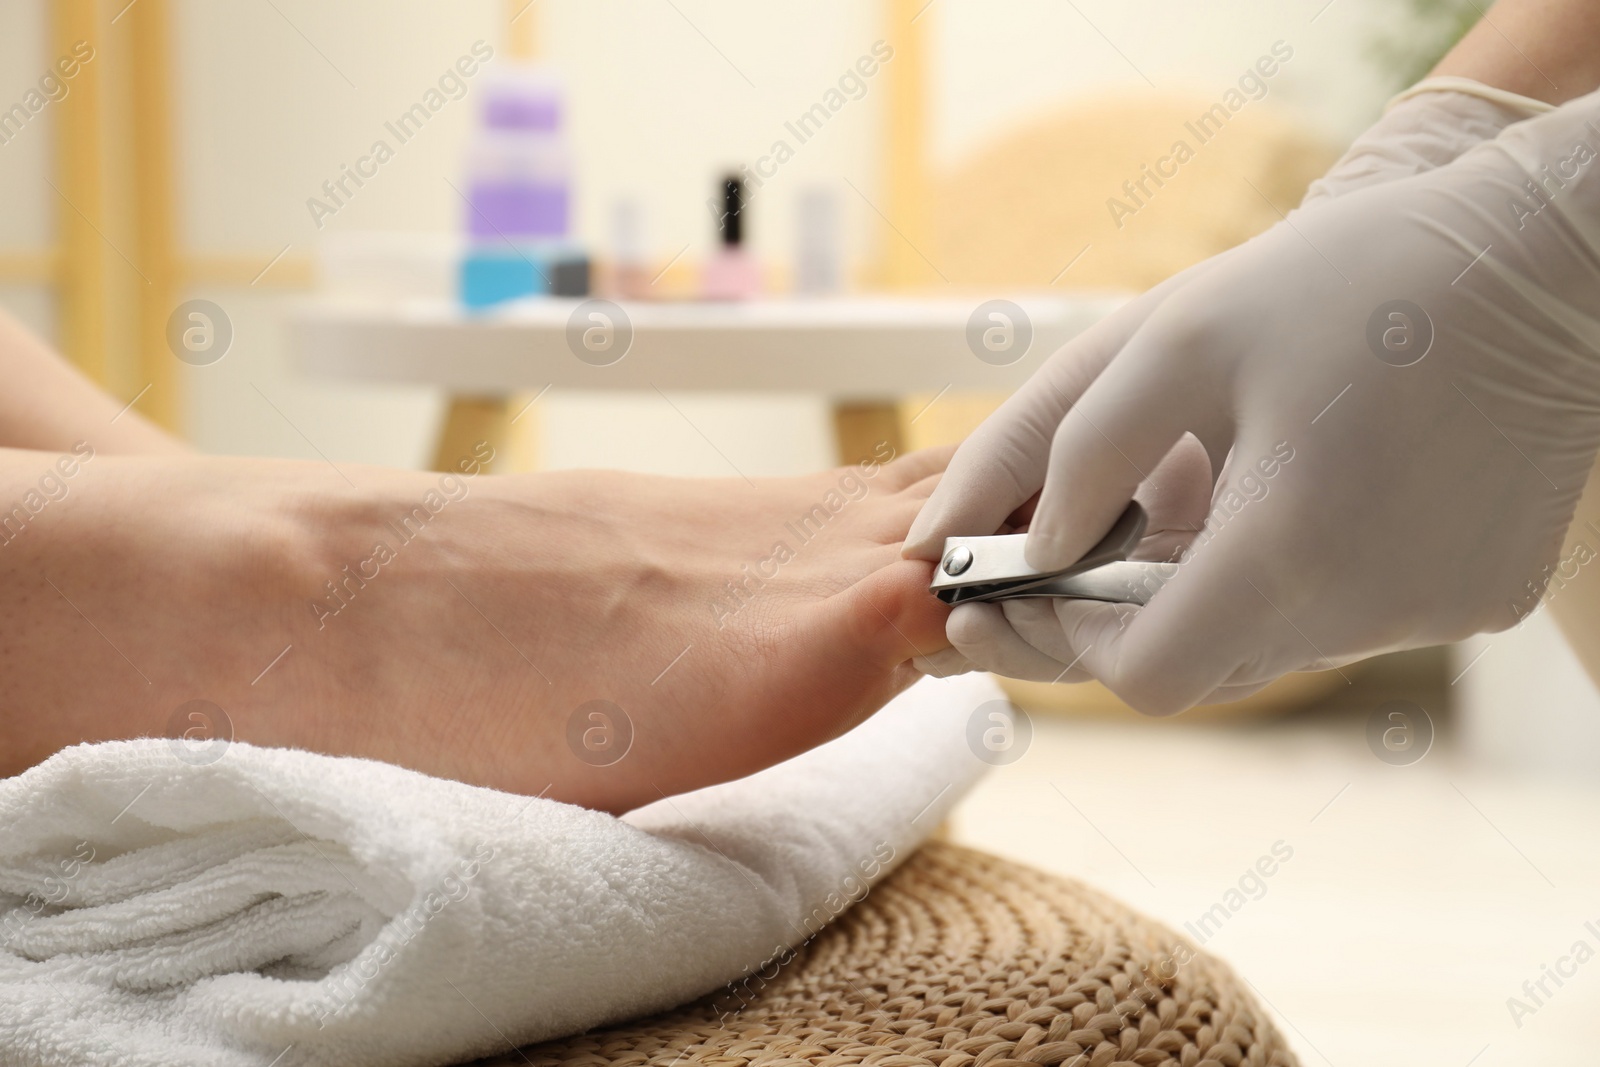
(959, 960)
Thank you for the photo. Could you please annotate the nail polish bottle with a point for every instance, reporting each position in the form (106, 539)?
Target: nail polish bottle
(731, 273)
(629, 277)
(818, 266)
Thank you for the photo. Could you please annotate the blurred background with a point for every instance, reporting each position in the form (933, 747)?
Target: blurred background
(1438, 804)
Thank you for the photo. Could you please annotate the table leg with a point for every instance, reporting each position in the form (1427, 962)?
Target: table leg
(472, 419)
(859, 429)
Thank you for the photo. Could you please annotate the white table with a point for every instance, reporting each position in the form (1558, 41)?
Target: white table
(864, 353)
(850, 349)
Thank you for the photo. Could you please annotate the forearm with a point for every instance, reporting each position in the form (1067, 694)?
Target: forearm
(1545, 49)
(47, 404)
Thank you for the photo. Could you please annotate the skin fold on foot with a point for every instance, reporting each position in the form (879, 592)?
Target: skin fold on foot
(597, 637)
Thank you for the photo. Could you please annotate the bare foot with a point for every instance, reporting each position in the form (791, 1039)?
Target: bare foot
(603, 638)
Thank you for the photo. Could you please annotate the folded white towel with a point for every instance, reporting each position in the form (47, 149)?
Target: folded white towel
(280, 907)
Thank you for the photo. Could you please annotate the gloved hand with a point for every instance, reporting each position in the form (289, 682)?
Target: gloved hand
(1424, 127)
(1406, 505)
(1002, 465)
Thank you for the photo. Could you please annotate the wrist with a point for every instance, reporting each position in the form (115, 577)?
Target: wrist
(1533, 48)
(1505, 106)
(1429, 125)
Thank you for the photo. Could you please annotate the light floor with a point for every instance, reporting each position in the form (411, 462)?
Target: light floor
(1417, 901)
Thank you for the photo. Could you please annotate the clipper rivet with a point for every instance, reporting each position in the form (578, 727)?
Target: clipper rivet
(958, 560)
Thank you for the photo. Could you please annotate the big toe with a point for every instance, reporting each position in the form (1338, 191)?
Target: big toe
(890, 616)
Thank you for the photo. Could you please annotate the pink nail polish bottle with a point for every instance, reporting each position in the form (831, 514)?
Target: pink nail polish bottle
(731, 273)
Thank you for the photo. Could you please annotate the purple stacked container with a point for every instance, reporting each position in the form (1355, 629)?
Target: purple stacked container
(519, 193)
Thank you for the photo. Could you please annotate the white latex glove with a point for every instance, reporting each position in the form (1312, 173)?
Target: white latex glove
(1414, 510)
(1424, 127)
(1003, 464)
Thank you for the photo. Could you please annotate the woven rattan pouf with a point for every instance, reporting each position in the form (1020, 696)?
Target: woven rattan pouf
(959, 960)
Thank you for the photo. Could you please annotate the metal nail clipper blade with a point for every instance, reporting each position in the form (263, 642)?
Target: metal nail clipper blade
(987, 569)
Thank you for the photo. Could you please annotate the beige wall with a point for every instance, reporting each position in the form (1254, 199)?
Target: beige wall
(999, 60)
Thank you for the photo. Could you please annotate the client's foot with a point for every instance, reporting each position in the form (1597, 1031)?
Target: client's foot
(607, 638)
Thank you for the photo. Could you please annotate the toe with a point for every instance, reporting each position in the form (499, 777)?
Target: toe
(891, 616)
(913, 467)
(890, 519)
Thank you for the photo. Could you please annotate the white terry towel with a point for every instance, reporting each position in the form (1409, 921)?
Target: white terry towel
(277, 907)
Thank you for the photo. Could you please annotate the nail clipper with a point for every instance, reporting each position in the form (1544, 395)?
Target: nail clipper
(990, 569)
